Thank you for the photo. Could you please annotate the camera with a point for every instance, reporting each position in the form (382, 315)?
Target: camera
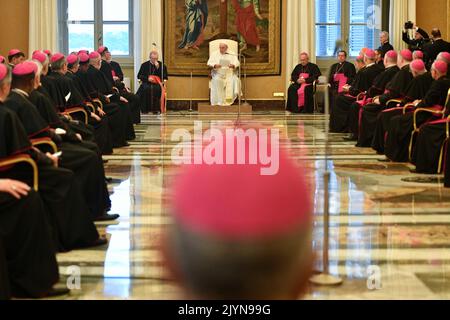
(409, 25)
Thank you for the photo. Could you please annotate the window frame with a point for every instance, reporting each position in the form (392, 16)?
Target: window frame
(345, 25)
(98, 23)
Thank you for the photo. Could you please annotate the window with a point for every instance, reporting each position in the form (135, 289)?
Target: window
(347, 24)
(88, 24)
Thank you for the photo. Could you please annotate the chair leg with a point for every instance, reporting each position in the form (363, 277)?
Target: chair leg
(441, 156)
(411, 144)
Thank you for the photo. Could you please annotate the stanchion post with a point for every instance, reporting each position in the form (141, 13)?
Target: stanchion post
(325, 278)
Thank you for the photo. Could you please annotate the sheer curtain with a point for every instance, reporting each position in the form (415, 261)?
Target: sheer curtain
(43, 30)
(300, 32)
(148, 30)
(401, 12)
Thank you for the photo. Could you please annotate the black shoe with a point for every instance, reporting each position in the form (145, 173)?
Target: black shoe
(105, 161)
(351, 138)
(57, 292)
(107, 217)
(99, 242)
(108, 180)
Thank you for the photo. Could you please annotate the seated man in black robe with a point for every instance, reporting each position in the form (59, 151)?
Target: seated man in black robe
(101, 85)
(341, 73)
(116, 81)
(401, 127)
(301, 91)
(378, 87)
(152, 87)
(363, 81)
(71, 225)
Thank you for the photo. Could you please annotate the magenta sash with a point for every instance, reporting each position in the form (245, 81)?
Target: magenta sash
(341, 79)
(301, 91)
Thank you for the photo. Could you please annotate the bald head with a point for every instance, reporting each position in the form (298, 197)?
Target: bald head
(304, 58)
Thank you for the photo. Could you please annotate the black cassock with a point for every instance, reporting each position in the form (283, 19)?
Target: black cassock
(71, 224)
(101, 129)
(150, 93)
(428, 147)
(416, 90)
(379, 87)
(25, 229)
(401, 127)
(447, 169)
(292, 103)
(103, 87)
(348, 70)
(134, 100)
(340, 112)
(115, 114)
(57, 87)
(117, 70)
(5, 291)
(395, 87)
(80, 157)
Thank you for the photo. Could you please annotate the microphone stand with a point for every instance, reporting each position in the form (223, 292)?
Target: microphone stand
(326, 278)
(192, 93)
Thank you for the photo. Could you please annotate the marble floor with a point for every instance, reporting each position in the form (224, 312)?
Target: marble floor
(382, 217)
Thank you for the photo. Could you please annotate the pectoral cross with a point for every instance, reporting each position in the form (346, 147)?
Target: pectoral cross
(223, 17)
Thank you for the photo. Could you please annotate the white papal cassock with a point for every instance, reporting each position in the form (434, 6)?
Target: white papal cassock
(225, 82)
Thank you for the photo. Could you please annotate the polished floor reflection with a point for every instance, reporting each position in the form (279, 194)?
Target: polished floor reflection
(381, 219)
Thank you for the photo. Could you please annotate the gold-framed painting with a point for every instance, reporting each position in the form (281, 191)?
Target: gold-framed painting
(189, 26)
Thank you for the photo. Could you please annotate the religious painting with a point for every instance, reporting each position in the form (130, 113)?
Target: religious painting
(190, 25)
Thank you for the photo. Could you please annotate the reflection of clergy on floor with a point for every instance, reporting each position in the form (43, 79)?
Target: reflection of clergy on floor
(152, 88)
(301, 91)
(225, 82)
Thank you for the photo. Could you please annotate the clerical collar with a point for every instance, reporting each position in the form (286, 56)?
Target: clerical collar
(21, 92)
(371, 64)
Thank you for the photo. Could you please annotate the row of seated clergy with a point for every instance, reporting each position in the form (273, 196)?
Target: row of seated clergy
(80, 156)
(363, 81)
(407, 121)
(66, 87)
(113, 79)
(35, 224)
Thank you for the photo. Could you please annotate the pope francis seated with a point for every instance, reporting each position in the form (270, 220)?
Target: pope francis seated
(225, 81)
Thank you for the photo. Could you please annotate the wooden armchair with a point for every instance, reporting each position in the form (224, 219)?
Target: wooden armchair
(78, 110)
(434, 111)
(7, 163)
(45, 145)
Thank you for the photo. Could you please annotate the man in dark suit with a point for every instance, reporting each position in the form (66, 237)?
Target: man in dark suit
(438, 46)
(385, 45)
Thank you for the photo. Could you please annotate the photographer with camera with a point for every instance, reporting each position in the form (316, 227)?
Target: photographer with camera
(421, 37)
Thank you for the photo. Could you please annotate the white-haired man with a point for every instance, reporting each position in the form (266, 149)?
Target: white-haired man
(152, 91)
(225, 82)
(385, 46)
